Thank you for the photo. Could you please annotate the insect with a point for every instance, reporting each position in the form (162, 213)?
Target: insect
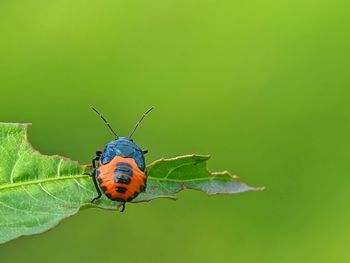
(120, 172)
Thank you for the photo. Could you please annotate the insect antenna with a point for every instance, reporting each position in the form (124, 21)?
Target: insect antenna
(138, 123)
(104, 120)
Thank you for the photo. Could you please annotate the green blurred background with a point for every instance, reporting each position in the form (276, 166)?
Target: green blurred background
(263, 86)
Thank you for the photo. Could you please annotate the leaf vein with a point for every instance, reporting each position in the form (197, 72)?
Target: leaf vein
(47, 192)
(27, 192)
(80, 185)
(175, 168)
(59, 168)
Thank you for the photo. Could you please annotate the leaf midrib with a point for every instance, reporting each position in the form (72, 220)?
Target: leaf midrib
(14, 185)
(186, 180)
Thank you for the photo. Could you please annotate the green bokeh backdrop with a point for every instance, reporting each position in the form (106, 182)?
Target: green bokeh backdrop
(263, 86)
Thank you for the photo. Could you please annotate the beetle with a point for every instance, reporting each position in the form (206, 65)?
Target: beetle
(119, 171)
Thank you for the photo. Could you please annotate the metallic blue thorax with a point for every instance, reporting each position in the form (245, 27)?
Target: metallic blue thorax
(123, 147)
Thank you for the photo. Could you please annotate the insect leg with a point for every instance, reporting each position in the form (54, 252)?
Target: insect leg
(93, 175)
(121, 207)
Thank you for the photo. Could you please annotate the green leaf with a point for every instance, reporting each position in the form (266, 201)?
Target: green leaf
(38, 191)
(166, 177)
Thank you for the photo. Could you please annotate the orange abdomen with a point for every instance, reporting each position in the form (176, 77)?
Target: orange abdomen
(121, 179)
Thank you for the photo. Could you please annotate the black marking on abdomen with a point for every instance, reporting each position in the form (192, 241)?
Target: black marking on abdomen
(124, 164)
(123, 170)
(122, 179)
(121, 190)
